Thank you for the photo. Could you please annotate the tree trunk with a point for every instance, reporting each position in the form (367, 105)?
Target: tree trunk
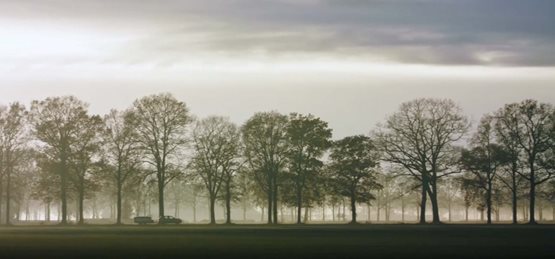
(488, 202)
(418, 213)
(47, 216)
(176, 206)
(212, 210)
(228, 201)
(63, 175)
(27, 211)
(402, 209)
(532, 194)
(333, 211)
(466, 213)
(387, 211)
(514, 192)
(160, 195)
(423, 202)
(270, 201)
(435, 205)
(540, 210)
(275, 205)
(244, 212)
(58, 211)
(353, 209)
(449, 210)
(195, 211)
(8, 194)
(118, 203)
(305, 220)
(344, 208)
(299, 205)
(1, 189)
(81, 198)
(368, 212)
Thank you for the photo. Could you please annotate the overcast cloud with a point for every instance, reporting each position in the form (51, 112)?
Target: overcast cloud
(351, 62)
(451, 32)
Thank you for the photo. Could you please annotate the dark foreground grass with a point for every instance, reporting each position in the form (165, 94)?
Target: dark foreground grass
(258, 241)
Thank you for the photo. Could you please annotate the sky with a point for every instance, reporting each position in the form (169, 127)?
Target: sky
(350, 62)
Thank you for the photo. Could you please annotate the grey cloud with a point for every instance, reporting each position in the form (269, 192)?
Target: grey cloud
(486, 32)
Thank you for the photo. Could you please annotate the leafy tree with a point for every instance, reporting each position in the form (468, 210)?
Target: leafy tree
(353, 169)
(215, 160)
(84, 150)
(420, 137)
(484, 160)
(308, 137)
(13, 139)
(161, 122)
(266, 149)
(57, 122)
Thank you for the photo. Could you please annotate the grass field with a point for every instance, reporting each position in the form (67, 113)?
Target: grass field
(284, 241)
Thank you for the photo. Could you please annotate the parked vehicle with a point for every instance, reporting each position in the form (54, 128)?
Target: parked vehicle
(143, 220)
(169, 220)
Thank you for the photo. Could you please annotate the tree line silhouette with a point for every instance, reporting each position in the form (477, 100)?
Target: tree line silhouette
(56, 152)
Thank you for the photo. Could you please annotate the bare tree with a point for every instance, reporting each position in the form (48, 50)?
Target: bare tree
(216, 146)
(506, 125)
(121, 152)
(485, 159)
(420, 137)
(532, 127)
(161, 122)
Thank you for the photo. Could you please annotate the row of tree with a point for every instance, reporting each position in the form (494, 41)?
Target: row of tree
(61, 153)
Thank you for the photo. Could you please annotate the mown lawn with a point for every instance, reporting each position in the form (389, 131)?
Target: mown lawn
(284, 241)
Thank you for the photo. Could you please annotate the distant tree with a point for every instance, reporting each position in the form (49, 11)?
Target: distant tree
(56, 122)
(420, 137)
(46, 184)
(309, 137)
(194, 191)
(161, 122)
(13, 139)
(532, 126)
(473, 193)
(265, 149)
(215, 160)
(120, 152)
(24, 172)
(484, 160)
(353, 169)
(244, 190)
(394, 188)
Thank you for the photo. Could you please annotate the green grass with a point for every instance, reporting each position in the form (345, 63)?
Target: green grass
(283, 241)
